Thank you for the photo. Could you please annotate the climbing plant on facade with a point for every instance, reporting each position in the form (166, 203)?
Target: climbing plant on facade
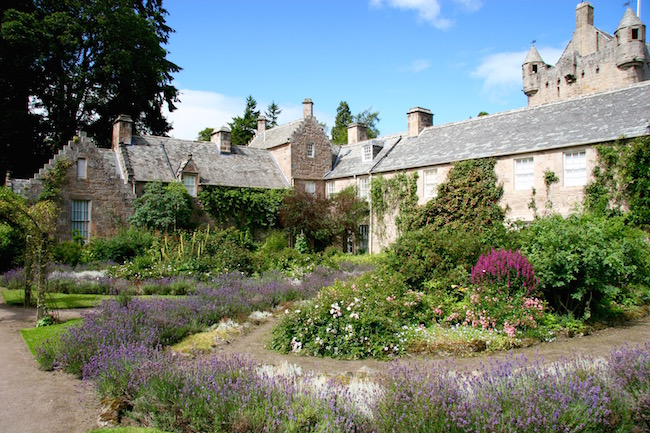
(398, 193)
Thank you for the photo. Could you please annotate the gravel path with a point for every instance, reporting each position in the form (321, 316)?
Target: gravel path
(35, 401)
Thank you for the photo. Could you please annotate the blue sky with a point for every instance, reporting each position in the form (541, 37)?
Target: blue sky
(454, 57)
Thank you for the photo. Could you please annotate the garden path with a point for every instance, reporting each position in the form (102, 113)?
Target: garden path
(32, 400)
(598, 343)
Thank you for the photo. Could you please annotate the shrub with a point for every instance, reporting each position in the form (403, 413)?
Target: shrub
(123, 246)
(507, 269)
(585, 262)
(443, 255)
(68, 252)
(163, 207)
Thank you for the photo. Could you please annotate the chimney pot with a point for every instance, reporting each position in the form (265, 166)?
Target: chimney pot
(357, 132)
(307, 108)
(418, 119)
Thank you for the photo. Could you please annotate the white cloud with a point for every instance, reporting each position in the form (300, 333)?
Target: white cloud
(501, 72)
(419, 65)
(200, 109)
(428, 10)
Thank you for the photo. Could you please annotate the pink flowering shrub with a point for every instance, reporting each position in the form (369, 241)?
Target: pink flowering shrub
(502, 295)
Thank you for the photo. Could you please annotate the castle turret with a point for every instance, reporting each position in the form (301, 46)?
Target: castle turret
(531, 71)
(630, 40)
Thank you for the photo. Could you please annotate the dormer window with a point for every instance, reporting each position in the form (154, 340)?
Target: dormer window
(310, 150)
(367, 153)
(189, 180)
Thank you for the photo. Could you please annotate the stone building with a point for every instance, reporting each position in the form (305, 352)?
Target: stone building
(596, 93)
(593, 61)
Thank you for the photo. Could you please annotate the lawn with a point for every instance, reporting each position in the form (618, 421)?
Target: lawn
(35, 337)
(56, 300)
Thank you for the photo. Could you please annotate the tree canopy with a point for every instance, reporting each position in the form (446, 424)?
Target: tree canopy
(163, 207)
(344, 118)
(242, 128)
(272, 113)
(204, 134)
(78, 64)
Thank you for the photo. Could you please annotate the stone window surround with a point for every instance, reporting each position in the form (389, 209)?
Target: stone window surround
(80, 217)
(82, 168)
(430, 182)
(575, 167)
(311, 150)
(524, 173)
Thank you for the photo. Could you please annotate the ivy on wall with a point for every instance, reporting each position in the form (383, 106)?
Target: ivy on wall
(622, 180)
(53, 179)
(400, 193)
(247, 209)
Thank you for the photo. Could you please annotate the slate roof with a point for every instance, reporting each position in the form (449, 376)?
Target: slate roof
(629, 19)
(158, 158)
(587, 120)
(275, 136)
(349, 161)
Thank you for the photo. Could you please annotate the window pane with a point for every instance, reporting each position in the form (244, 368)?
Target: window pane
(189, 180)
(81, 168)
(364, 187)
(310, 150)
(367, 153)
(330, 189)
(430, 183)
(80, 218)
(575, 169)
(524, 174)
(310, 188)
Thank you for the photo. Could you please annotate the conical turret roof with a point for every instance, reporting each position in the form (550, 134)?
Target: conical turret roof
(629, 19)
(533, 56)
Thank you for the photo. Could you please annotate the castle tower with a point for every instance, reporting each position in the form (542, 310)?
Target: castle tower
(630, 40)
(531, 71)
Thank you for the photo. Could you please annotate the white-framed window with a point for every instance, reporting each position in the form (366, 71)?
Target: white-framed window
(311, 151)
(81, 168)
(80, 219)
(331, 189)
(524, 174)
(431, 183)
(310, 188)
(367, 153)
(364, 188)
(575, 168)
(189, 180)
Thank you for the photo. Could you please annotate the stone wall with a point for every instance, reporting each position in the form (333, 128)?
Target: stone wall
(282, 155)
(303, 167)
(111, 200)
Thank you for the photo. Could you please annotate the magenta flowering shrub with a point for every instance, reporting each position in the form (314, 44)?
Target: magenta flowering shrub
(507, 269)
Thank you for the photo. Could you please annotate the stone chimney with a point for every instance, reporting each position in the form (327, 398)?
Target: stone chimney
(418, 119)
(221, 137)
(122, 130)
(261, 124)
(585, 37)
(307, 108)
(357, 132)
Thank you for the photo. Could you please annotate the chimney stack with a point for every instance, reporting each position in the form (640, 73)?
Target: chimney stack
(261, 124)
(122, 131)
(418, 119)
(221, 138)
(307, 108)
(584, 15)
(357, 132)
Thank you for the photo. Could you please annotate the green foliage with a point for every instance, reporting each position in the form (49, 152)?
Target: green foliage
(400, 193)
(354, 320)
(12, 246)
(249, 209)
(164, 208)
(272, 113)
(53, 180)
(201, 254)
(68, 252)
(275, 242)
(621, 178)
(482, 113)
(306, 214)
(347, 211)
(586, 261)
(204, 134)
(86, 62)
(124, 245)
(443, 257)
(242, 128)
(301, 244)
(370, 119)
(341, 122)
(468, 200)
